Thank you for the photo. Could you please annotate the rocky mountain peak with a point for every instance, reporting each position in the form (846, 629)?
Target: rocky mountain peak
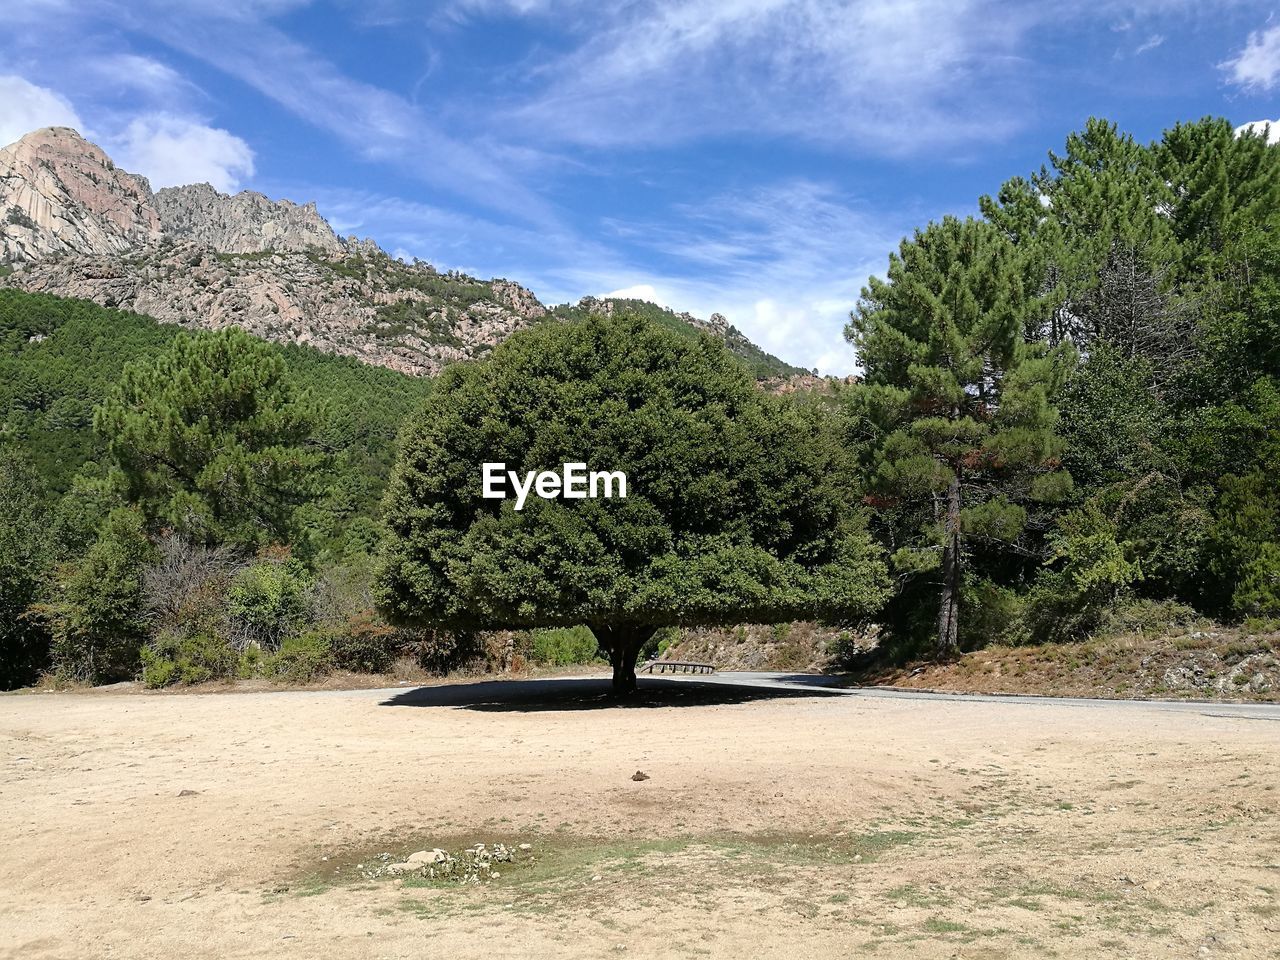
(59, 193)
(75, 225)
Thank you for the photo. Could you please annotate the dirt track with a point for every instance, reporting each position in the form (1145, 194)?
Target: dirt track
(788, 827)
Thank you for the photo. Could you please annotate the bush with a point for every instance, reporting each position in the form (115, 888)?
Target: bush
(1094, 573)
(991, 614)
(302, 658)
(268, 602)
(186, 587)
(1258, 592)
(188, 659)
(25, 553)
(365, 645)
(564, 647)
(1149, 616)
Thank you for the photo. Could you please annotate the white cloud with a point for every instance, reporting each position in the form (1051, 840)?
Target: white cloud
(1151, 43)
(784, 263)
(171, 151)
(1257, 65)
(1271, 128)
(378, 123)
(638, 291)
(25, 107)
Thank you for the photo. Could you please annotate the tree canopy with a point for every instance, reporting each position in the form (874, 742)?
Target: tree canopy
(210, 439)
(738, 507)
(958, 401)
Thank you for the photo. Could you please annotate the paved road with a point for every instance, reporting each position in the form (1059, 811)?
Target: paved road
(734, 686)
(793, 681)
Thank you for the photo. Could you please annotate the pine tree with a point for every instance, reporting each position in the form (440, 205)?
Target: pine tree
(957, 401)
(209, 439)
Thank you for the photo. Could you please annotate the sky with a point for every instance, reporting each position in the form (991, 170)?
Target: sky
(756, 158)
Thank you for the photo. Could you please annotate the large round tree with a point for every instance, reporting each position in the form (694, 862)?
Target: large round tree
(737, 509)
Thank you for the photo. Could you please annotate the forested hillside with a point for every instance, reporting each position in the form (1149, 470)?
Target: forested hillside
(59, 358)
(760, 364)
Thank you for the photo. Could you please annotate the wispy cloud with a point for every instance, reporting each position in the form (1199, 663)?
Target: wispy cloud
(239, 40)
(785, 263)
(888, 74)
(1153, 41)
(1257, 65)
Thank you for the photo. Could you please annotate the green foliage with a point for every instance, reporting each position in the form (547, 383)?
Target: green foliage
(957, 406)
(564, 646)
(736, 510)
(59, 358)
(302, 658)
(209, 439)
(99, 618)
(758, 363)
(25, 558)
(268, 602)
(1258, 594)
(1090, 571)
(195, 658)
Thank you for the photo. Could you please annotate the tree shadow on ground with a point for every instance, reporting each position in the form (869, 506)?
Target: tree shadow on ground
(590, 693)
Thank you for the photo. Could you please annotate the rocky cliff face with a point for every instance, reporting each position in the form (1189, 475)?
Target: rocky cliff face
(406, 317)
(61, 194)
(245, 223)
(74, 225)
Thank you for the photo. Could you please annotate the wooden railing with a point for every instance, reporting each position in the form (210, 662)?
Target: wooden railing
(676, 666)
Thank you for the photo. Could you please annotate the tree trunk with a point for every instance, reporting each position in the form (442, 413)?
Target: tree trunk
(949, 609)
(623, 646)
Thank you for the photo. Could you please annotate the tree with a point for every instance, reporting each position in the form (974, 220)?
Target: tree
(25, 554)
(100, 614)
(209, 438)
(956, 401)
(737, 506)
(1100, 250)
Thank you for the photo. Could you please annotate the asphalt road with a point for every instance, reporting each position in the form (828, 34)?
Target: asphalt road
(792, 681)
(735, 687)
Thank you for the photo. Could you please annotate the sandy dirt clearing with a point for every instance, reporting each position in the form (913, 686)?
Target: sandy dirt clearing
(824, 825)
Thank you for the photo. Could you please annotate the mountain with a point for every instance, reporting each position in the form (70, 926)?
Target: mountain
(74, 224)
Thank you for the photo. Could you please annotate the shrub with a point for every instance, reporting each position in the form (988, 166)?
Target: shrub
(186, 587)
(303, 657)
(1094, 572)
(365, 645)
(992, 614)
(564, 647)
(1149, 616)
(268, 602)
(1258, 592)
(194, 658)
(25, 552)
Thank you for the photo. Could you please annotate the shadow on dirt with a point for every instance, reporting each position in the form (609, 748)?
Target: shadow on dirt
(589, 693)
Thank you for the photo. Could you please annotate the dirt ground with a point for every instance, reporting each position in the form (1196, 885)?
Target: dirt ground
(243, 824)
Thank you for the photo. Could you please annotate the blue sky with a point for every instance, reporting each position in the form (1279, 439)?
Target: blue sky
(753, 157)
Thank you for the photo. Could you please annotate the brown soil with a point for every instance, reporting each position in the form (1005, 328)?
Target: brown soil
(805, 826)
(1218, 664)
